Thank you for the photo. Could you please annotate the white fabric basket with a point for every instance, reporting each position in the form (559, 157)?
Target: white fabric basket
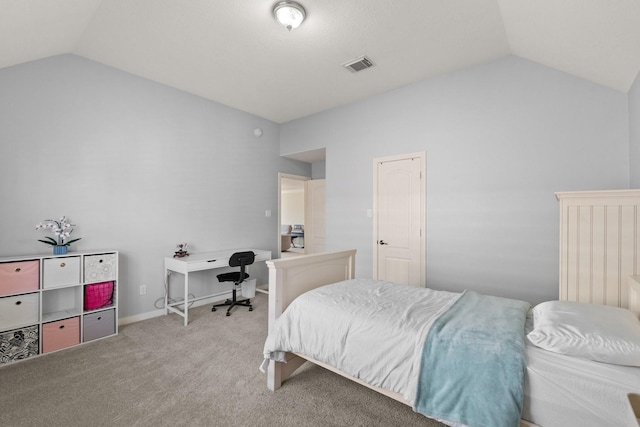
(248, 288)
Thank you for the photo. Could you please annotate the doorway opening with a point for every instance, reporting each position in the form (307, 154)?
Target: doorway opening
(291, 214)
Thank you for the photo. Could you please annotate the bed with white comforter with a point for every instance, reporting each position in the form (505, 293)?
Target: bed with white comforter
(378, 332)
(581, 359)
(374, 333)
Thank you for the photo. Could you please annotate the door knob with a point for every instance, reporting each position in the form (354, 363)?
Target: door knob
(382, 242)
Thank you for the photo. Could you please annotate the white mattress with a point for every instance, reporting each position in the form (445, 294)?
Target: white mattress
(564, 391)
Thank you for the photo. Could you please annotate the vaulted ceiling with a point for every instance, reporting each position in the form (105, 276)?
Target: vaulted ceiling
(233, 51)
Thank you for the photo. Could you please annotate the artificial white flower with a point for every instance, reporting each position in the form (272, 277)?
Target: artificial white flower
(59, 229)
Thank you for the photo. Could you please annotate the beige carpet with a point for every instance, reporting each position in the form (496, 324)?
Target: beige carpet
(159, 373)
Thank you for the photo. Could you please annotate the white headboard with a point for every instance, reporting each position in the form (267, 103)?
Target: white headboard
(634, 295)
(599, 245)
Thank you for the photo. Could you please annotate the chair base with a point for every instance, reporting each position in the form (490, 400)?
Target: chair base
(232, 303)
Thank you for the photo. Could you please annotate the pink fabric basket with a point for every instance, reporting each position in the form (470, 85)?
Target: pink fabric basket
(98, 295)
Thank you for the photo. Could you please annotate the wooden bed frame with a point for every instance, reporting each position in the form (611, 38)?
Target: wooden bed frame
(291, 277)
(294, 276)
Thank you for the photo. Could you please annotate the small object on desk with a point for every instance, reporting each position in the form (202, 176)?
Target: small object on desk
(182, 250)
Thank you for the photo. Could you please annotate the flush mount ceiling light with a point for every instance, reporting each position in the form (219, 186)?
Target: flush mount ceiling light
(289, 13)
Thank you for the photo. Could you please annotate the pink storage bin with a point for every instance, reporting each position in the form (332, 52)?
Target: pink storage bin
(19, 277)
(60, 334)
(98, 295)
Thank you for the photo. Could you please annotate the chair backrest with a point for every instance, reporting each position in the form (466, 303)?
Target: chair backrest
(241, 259)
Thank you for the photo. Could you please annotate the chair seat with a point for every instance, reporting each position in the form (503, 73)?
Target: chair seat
(233, 276)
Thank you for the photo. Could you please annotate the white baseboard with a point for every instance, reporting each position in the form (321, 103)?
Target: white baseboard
(140, 317)
(160, 312)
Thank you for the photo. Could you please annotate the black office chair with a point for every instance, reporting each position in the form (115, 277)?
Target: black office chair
(241, 259)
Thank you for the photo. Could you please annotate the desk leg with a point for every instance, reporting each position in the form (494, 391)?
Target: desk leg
(186, 298)
(166, 291)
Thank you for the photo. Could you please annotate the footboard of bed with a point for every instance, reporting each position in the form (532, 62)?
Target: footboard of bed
(291, 277)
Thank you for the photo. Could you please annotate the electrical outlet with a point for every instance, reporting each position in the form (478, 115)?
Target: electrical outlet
(143, 290)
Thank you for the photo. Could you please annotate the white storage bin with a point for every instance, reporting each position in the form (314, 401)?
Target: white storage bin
(99, 268)
(18, 311)
(62, 271)
(248, 288)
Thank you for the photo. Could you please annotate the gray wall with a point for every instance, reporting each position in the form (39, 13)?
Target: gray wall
(318, 170)
(137, 166)
(500, 139)
(140, 167)
(634, 133)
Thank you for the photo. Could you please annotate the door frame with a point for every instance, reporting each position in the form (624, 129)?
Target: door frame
(311, 217)
(280, 177)
(422, 157)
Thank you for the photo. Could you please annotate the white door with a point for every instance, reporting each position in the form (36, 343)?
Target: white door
(314, 210)
(399, 219)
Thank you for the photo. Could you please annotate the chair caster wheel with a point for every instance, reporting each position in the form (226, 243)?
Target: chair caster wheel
(228, 314)
(251, 309)
(213, 309)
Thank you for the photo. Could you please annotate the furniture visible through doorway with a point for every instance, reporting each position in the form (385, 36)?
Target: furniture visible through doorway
(285, 237)
(297, 232)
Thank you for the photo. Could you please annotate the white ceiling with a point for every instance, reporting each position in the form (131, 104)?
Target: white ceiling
(233, 52)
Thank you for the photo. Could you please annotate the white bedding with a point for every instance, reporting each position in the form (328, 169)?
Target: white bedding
(381, 344)
(565, 391)
(378, 338)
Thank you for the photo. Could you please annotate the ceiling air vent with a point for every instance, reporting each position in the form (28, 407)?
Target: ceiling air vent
(358, 64)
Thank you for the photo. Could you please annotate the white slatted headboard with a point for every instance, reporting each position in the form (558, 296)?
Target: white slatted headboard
(634, 295)
(599, 245)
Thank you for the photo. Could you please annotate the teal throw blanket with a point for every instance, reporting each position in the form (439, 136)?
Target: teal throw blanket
(473, 363)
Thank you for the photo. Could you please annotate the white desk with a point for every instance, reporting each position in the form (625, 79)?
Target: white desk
(198, 262)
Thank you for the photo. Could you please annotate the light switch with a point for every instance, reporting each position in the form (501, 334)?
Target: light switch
(267, 213)
(369, 213)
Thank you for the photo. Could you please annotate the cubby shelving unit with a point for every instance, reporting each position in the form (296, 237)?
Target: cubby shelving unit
(42, 302)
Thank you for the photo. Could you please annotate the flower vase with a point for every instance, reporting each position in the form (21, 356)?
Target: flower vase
(60, 249)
